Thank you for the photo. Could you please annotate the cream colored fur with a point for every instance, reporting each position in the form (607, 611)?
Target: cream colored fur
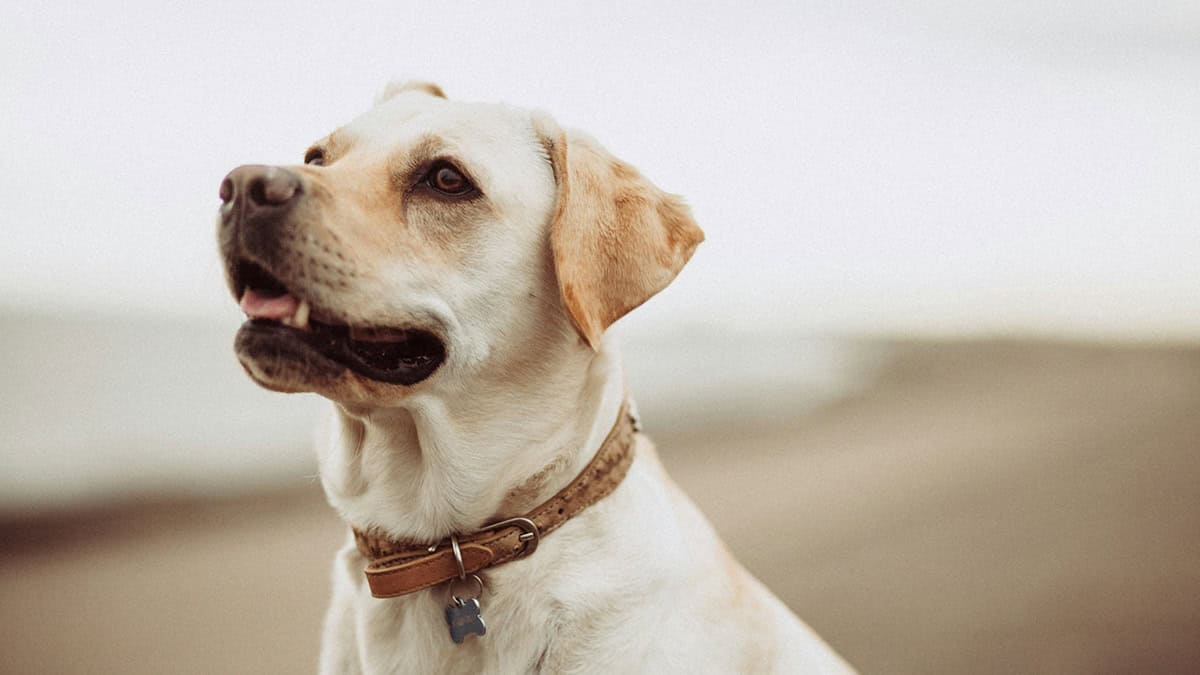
(521, 285)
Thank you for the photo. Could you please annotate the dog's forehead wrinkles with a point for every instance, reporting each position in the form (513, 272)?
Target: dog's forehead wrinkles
(477, 125)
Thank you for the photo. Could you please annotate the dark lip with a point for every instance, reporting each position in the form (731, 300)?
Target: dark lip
(279, 353)
(404, 362)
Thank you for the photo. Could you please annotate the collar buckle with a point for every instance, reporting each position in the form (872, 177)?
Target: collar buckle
(530, 535)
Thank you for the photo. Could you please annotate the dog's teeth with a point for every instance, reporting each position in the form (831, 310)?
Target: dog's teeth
(300, 318)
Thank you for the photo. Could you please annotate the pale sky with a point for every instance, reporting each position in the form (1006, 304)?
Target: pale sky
(937, 167)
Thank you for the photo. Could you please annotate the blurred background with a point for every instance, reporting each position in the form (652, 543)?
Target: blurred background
(935, 375)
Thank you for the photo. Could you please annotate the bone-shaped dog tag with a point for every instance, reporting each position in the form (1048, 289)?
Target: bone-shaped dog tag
(464, 619)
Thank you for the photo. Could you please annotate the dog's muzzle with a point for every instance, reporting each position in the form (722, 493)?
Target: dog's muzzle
(262, 216)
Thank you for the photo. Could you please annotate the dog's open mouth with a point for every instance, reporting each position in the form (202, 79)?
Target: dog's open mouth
(276, 315)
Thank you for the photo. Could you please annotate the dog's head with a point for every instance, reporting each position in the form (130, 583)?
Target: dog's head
(430, 239)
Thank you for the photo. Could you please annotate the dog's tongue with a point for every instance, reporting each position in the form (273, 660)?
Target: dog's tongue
(260, 306)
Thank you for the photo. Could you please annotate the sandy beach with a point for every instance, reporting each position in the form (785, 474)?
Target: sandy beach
(981, 507)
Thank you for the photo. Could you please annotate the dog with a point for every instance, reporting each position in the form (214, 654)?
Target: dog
(445, 273)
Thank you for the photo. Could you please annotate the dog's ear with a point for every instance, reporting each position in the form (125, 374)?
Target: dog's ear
(397, 86)
(616, 239)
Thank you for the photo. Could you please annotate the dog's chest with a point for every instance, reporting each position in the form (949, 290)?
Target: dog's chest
(414, 634)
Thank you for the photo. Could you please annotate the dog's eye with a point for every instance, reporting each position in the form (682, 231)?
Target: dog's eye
(315, 156)
(448, 180)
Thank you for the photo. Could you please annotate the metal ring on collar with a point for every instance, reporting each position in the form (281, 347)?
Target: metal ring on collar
(457, 598)
(462, 571)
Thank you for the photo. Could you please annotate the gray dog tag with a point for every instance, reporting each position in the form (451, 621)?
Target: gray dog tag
(464, 619)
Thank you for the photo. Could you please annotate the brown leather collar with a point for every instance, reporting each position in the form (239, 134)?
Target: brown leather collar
(398, 568)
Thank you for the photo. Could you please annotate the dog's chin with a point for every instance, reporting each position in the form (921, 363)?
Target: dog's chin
(324, 358)
(277, 359)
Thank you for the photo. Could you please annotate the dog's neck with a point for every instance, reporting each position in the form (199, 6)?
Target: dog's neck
(442, 464)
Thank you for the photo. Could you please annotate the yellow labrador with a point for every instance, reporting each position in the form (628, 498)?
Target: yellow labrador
(444, 272)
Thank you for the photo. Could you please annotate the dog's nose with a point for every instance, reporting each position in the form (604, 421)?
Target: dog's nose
(259, 188)
(257, 205)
